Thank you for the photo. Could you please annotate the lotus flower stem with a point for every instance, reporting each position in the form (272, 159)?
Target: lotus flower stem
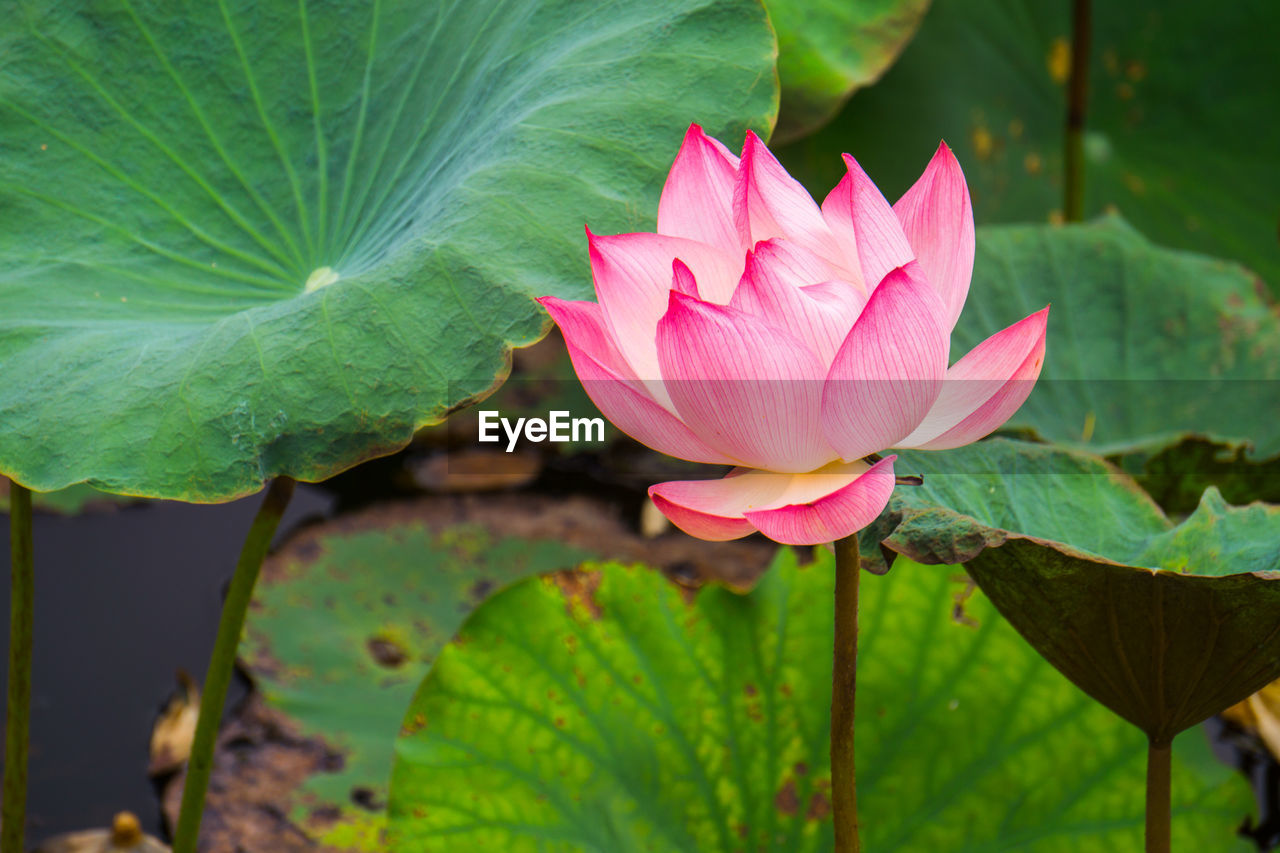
(844, 789)
(1159, 800)
(1077, 101)
(221, 663)
(18, 720)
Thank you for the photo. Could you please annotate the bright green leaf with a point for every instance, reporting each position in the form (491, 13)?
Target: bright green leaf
(828, 49)
(242, 239)
(612, 712)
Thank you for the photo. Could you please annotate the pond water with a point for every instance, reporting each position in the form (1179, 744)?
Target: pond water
(124, 599)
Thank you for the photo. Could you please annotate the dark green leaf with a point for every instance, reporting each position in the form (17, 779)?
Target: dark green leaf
(1164, 625)
(1178, 475)
(1181, 131)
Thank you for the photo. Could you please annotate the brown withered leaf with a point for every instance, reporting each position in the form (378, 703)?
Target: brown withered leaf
(260, 763)
(1260, 714)
(175, 729)
(652, 522)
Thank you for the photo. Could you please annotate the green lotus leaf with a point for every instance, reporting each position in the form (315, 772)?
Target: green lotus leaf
(1173, 85)
(346, 622)
(1166, 625)
(244, 239)
(828, 49)
(610, 711)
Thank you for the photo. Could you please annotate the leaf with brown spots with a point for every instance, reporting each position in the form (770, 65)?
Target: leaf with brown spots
(346, 621)
(787, 801)
(535, 744)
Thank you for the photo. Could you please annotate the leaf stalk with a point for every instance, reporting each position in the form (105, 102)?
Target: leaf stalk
(222, 661)
(17, 730)
(1077, 104)
(1159, 796)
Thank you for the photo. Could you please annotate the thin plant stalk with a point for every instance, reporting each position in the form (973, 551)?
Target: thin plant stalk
(844, 788)
(222, 662)
(1159, 797)
(17, 729)
(1077, 104)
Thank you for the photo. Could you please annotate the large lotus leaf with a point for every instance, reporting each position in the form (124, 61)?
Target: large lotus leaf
(609, 711)
(1164, 625)
(1181, 130)
(1151, 351)
(346, 622)
(828, 49)
(247, 238)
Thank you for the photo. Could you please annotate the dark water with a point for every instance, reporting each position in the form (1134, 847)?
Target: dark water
(124, 599)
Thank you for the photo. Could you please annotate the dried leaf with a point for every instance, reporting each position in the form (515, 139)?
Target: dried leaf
(1260, 714)
(652, 521)
(175, 729)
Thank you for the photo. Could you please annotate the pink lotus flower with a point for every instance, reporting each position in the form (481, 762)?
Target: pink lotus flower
(792, 341)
